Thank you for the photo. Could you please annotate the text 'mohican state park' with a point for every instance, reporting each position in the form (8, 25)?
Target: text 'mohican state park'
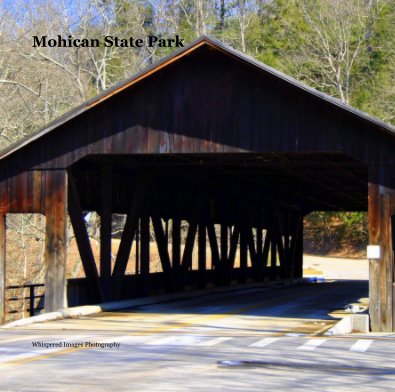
(69, 41)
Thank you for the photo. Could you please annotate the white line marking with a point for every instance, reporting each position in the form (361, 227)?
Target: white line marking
(74, 338)
(161, 341)
(116, 339)
(213, 342)
(264, 342)
(28, 355)
(10, 350)
(31, 337)
(311, 344)
(361, 345)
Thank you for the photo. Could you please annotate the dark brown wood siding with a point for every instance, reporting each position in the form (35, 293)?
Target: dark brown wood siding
(208, 102)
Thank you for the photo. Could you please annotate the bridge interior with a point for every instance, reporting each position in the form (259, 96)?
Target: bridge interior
(245, 209)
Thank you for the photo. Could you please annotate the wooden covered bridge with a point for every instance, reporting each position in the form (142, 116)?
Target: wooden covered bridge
(211, 137)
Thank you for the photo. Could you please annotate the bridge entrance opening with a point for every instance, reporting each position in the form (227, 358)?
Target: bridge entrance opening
(216, 219)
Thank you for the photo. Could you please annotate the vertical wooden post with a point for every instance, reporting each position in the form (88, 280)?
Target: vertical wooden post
(145, 244)
(266, 248)
(234, 242)
(105, 230)
(223, 251)
(2, 266)
(55, 239)
(294, 227)
(145, 251)
(137, 235)
(31, 301)
(215, 259)
(287, 244)
(167, 230)
(252, 250)
(176, 250)
(202, 255)
(280, 245)
(243, 249)
(224, 243)
(176, 243)
(273, 247)
(259, 251)
(298, 266)
(380, 270)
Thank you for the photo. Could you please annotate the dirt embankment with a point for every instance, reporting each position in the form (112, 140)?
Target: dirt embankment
(343, 235)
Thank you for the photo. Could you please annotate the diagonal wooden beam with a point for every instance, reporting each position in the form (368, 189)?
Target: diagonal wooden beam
(280, 246)
(273, 243)
(127, 237)
(251, 246)
(260, 262)
(233, 245)
(266, 247)
(212, 238)
(161, 242)
(189, 245)
(176, 242)
(160, 235)
(259, 244)
(191, 236)
(83, 243)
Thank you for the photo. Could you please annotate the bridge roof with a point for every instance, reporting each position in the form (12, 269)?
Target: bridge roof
(176, 56)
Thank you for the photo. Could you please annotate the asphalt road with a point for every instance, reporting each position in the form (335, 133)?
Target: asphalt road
(250, 340)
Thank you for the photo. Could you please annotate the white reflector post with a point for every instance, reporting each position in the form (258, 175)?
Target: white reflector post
(373, 252)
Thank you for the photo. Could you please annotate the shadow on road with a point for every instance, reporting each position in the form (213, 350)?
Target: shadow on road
(306, 300)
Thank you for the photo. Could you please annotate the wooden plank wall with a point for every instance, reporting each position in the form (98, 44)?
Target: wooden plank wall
(190, 107)
(22, 192)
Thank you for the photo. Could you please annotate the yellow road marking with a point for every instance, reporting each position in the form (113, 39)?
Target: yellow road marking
(42, 356)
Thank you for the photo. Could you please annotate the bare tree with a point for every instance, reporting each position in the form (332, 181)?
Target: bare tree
(339, 30)
(246, 10)
(39, 84)
(171, 15)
